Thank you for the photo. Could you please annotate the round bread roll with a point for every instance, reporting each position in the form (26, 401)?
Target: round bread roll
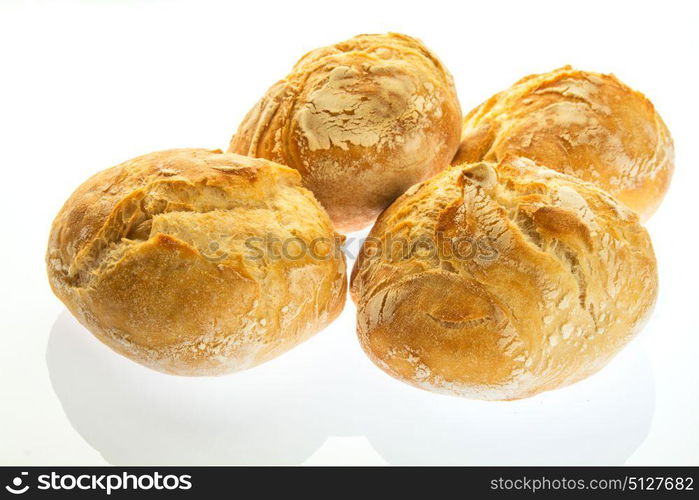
(501, 281)
(361, 120)
(195, 262)
(584, 124)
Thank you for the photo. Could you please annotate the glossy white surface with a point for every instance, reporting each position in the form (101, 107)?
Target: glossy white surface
(85, 86)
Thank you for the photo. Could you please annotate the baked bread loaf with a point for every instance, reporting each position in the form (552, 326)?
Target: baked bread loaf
(585, 124)
(361, 120)
(195, 262)
(500, 281)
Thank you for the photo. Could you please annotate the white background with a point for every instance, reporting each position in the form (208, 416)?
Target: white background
(86, 85)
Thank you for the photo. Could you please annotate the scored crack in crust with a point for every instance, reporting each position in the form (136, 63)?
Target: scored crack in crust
(361, 120)
(165, 258)
(580, 123)
(555, 278)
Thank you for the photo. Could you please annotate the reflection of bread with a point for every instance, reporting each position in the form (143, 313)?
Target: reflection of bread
(162, 259)
(555, 278)
(361, 120)
(580, 123)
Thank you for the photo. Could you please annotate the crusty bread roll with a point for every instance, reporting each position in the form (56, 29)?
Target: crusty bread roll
(192, 262)
(585, 124)
(361, 120)
(501, 281)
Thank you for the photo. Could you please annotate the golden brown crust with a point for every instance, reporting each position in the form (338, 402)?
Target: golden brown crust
(165, 259)
(525, 279)
(580, 123)
(361, 120)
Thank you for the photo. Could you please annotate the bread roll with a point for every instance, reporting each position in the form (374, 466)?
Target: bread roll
(585, 124)
(500, 281)
(361, 120)
(191, 262)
